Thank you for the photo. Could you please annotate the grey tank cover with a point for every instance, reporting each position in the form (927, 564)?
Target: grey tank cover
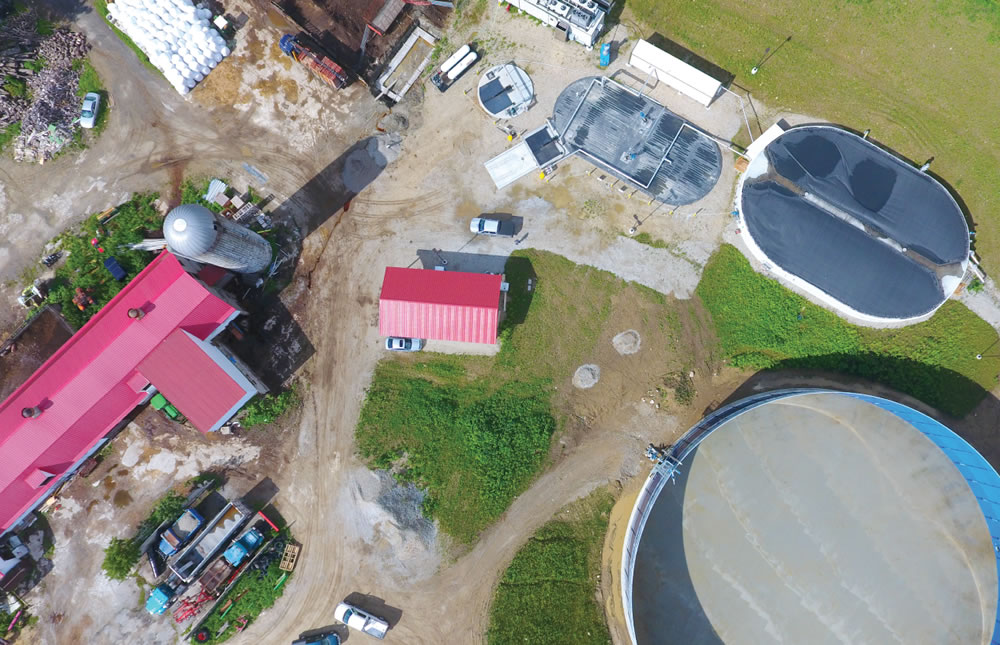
(195, 232)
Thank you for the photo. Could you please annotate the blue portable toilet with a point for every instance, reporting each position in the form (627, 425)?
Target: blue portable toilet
(605, 55)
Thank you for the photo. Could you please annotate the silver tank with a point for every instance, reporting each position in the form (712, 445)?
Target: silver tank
(195, 232)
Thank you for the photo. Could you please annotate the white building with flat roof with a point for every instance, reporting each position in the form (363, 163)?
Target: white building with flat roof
(579, 20)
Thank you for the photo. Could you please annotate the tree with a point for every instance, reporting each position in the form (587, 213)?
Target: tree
(120, 557)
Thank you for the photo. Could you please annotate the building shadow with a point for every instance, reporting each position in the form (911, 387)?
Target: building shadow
(665, 606)
(520, 275)
(272, 344)
(975, 412)
(459, 261)
(376, 607)
(677, 50)
(332, 188)
(261, 495)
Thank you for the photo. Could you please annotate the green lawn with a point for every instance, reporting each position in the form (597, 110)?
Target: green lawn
(474, 431)
(919, 74)
(546, 595)
(762, 325)
(90, 81)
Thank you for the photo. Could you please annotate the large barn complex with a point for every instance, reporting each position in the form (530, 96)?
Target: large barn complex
(813, 516)
(860, 229)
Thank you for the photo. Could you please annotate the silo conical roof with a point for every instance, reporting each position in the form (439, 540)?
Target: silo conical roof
(190, 230)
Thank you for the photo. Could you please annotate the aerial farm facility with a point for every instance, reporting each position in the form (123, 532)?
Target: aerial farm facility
(860, 229)
(814, 516)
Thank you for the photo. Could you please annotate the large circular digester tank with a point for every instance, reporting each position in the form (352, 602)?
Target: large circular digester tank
(814, 516)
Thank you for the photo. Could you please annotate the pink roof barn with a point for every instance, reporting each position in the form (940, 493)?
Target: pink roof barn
(91, 383)
(440, 305)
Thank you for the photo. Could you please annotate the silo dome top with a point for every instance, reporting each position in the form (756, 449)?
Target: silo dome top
(190, 229)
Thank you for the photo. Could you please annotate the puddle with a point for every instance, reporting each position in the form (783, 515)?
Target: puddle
(122, 499)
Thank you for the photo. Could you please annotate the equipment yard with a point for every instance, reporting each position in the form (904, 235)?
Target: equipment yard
(606, 325)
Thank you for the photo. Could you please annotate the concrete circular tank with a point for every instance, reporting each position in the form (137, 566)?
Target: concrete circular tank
(193, 231)
(813, 516)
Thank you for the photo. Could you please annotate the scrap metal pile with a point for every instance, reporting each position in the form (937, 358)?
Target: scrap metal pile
(48, 112)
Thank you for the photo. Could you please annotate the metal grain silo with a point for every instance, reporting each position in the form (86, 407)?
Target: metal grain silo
(193, 231)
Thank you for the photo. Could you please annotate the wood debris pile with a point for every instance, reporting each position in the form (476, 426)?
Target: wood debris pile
(47, 125)
(63, 47)
(51, 107)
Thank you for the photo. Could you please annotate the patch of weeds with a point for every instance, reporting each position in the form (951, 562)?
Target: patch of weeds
(975, 286)
(36, 65)
(16, 87)
(548, 593)
(682, 385)
(593, 208)
(649, 240)
(9, 133)
(268, 408)
(44, 27)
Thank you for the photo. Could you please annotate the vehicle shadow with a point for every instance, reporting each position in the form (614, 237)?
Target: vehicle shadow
(376, 607)
(341, 630)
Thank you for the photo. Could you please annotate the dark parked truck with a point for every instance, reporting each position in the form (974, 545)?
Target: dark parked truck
(177, 535)
(215, 535)
(323, 66)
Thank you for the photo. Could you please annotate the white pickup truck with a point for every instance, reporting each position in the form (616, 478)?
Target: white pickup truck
(360, 620)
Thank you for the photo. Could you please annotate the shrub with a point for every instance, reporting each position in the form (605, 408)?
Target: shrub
(120, 557)
(266, 409)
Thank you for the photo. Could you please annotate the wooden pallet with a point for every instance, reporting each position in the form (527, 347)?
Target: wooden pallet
(289, 557)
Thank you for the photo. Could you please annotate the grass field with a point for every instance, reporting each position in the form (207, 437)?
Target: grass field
(919, 74)
(90, 81)
(546, 595)
(762, 325)
(474, 431)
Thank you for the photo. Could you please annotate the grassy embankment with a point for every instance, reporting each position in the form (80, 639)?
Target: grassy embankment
(546, 595)
(762, 325)
(474, 431)
(897, 69)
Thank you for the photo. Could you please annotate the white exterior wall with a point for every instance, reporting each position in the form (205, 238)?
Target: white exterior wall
(684, 78)
(586, 37)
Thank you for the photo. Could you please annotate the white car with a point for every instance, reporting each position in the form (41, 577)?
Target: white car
(88, 113)
(491, 226)
(403, 344)
(360, 620)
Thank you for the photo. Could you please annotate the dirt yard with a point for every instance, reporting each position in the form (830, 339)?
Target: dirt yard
(260, 109)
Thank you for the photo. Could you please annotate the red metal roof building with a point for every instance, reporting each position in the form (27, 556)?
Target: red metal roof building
(440, 305)
(111, 365)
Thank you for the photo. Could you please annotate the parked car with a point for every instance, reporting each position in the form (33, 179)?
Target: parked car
(88, 113)
(320, 639)
(361, 620)
(403, 344)
(491, 226)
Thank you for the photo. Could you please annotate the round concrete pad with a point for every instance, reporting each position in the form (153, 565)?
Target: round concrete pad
(816, 519)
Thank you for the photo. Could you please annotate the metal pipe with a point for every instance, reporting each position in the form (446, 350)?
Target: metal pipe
(743, 109)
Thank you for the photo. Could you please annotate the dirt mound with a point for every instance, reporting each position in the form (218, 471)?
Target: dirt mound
(586, 376)
(627, 342)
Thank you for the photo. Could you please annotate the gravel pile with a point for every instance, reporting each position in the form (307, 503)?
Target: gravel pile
(627, 342)
(586, 376)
